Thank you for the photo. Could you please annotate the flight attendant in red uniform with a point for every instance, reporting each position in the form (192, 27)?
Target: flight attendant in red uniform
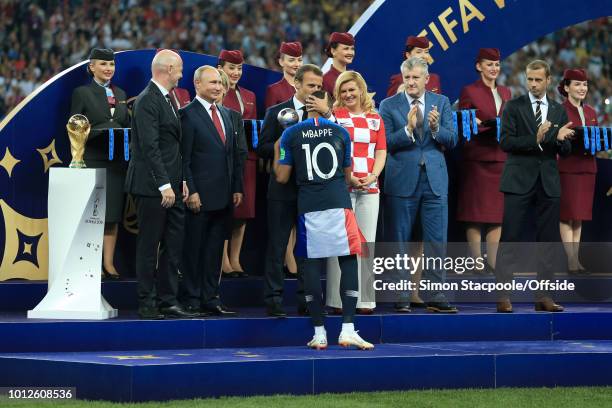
(241, 100)
(341, 48)
(578, 169)
(289, 59)
(480, 203)
(416, 47)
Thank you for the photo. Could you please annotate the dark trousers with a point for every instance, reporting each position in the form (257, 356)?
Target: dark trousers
(547, 254)
(205, 233)
(281, 218)
(158, 228)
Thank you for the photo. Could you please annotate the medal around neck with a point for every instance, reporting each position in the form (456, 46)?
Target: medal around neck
(288, 117)
(78, 128)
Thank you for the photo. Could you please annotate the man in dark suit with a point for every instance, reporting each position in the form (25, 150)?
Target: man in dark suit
(154, 172)
(213, 171)
(534, 130)
(282, 198)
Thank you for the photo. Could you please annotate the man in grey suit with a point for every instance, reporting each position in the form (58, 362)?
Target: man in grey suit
(418, 126)
(155, 179)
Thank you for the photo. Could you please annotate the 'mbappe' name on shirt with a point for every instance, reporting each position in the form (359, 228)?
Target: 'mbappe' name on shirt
(316, 132)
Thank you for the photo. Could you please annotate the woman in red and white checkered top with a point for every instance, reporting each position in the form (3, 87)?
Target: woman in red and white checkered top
(354, 110)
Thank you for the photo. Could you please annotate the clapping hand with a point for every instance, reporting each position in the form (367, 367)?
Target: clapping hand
(542, 129)
(565, 132)
(434, 118)
(411, 119)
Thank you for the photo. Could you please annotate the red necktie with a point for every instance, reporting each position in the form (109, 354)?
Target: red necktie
(217, 122)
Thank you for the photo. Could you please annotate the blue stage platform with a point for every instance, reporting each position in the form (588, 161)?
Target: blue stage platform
(127, 359)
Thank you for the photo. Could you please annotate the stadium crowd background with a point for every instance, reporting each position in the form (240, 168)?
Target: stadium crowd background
(41, 38)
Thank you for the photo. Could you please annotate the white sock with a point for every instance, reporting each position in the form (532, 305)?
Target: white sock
(348, 327)
(320, 331)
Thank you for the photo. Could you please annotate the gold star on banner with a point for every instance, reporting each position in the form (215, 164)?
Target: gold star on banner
(26, 246)
(49, 161)
(8, 161)
(143, 357)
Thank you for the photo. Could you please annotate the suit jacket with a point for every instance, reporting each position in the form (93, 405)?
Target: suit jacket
(433, 85)
(484, 145)
(271, 131)
(91, 101)
(404, 156)
(155, 146)
(212, 169)
(249, 102)
(279, 92)
(525, 159)
(579, 161)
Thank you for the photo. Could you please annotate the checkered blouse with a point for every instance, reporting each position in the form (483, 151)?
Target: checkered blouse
(367, 133)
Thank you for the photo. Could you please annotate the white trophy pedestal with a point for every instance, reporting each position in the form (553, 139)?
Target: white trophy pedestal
(77, 206)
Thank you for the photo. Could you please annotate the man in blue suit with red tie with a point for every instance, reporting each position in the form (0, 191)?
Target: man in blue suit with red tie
(418, 125)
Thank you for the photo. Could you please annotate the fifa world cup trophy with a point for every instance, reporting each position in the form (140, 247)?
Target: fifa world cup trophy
(78, 128)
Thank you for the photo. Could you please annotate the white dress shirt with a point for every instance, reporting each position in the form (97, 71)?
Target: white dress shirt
(421, 106)
(207, 106)
(543, 106)
(298, 107)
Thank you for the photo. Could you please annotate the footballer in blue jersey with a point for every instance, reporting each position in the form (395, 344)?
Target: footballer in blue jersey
(320, 152)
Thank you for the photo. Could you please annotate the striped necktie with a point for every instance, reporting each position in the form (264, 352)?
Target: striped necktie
(538, 113)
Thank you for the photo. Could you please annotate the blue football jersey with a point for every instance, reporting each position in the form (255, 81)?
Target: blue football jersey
(319, 150)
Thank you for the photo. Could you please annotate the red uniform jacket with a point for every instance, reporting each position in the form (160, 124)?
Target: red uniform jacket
(433, 85)
(278, 92)
(181, 97)
(329, 80)
(248, 100)
(484, 146)
(579, 161)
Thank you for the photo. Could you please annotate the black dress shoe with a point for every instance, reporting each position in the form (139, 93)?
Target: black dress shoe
(289, 275)
(239, 274)
(441, 307)
(219, 310)
(196, 310)
(276, 311)
(418, 305)
(402, 307)
(106, 275)
(578, 272)
(177, 312)
(150, 313)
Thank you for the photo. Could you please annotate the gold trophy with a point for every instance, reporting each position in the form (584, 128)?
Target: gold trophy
(78, 128)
